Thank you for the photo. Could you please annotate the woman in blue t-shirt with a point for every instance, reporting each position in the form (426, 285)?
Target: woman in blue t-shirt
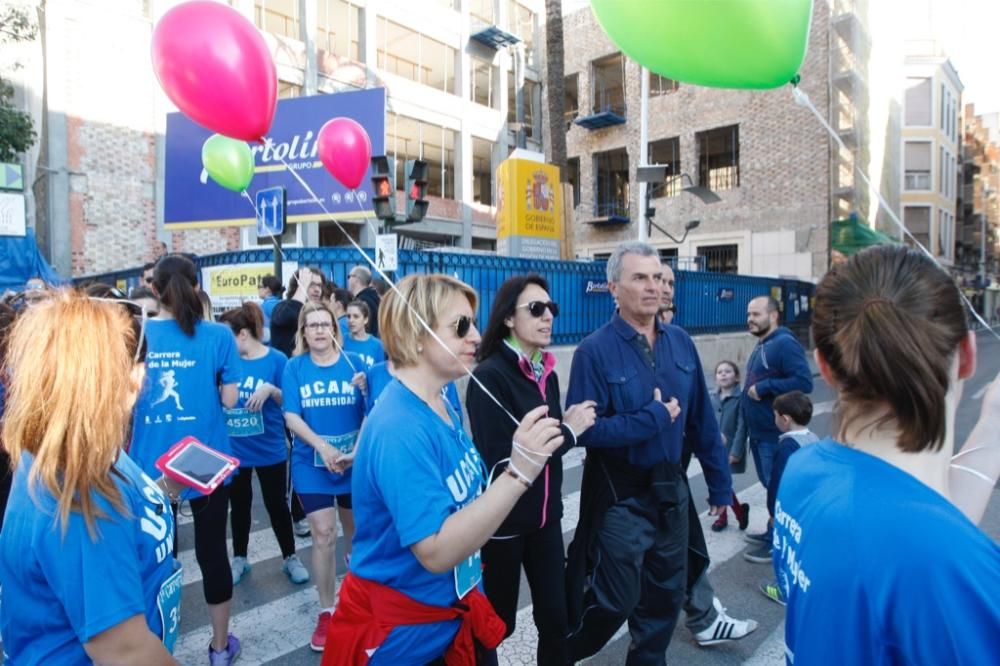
(257, 430)
(324, 407)
(877, 563)
(86, 561)
(192, 370)
(420, 500)
(360, 342)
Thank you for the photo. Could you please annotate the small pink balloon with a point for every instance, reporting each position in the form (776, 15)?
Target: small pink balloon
(345, 150)
(215, 66)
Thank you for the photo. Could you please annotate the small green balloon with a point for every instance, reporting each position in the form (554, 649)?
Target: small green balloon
(717, 43)
(228, 161)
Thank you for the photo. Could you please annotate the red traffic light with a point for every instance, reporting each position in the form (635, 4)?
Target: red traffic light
(383, 188)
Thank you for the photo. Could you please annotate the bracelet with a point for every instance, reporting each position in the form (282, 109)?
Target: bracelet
(517, 474)
(974, 472)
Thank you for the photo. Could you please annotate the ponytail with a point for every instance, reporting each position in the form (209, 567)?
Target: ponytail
(175, 278)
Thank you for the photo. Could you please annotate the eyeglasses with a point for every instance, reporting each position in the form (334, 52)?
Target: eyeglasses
(319, 325)
(537, 308)
(462, 326)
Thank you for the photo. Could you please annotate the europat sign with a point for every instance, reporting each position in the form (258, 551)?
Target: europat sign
(529, 209)
(195, 202)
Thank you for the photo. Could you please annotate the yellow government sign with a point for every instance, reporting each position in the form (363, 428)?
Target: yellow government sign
(529, 200)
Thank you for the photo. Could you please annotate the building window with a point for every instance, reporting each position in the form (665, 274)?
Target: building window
(482, 12)
(521, 22)
(571, 98)
(661, 85)
(668, 257)
(917, 220)
(720, 258)
(917, 158)
(411, 139)
(667, 152)
(413, 56)
(611, 185)
(719, 158)
(338, 26)
(484, 79)
(278, 17)
(609, 84)
(482, 171)
(573, 178)
(945, 235)
(918, 102)
(530, 100)
(943, 114)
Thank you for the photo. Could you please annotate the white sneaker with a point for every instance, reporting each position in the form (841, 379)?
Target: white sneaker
(724, 629)
(301, 528)
(240, 568)
(295, 570)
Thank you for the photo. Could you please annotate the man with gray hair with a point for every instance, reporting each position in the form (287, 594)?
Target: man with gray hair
(628, 556)
(359, 281)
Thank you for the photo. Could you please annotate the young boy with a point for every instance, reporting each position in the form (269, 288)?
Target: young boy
(792, 413)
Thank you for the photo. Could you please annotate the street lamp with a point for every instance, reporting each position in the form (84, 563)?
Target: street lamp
(656, 174)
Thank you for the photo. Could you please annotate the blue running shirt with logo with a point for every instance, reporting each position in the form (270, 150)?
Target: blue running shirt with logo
(267, 448)
(331, 406)
(59, 592)
(878, 568)
(413, 470)
(379, 377)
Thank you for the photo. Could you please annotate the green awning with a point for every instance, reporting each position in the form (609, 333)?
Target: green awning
(851, 235)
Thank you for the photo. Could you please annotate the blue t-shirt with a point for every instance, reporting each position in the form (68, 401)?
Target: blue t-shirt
(267, 306)
(267, 448)
(332, 407)
(379, 377)
(59, 592)
(344, 331)
(180, 396)
(370, 350)
(878, 568)
(412, 471)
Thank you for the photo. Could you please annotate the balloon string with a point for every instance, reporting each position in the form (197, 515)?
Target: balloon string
(392, 285)
(270, 234)
(802, 99)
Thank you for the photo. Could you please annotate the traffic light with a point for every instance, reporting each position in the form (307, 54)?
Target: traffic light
(384, 187)
(416, 190)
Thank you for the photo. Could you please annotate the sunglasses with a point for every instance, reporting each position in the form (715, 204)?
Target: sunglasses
(462, 326)
(537, 308)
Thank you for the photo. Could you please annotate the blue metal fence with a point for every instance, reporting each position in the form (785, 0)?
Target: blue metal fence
(706, 302)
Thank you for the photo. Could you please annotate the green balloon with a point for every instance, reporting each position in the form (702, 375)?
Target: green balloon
(229, 162)
(718, 43)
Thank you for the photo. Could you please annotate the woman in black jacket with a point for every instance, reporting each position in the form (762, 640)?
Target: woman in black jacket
(514, 367)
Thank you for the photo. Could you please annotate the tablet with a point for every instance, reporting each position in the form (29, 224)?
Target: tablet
(191, 463)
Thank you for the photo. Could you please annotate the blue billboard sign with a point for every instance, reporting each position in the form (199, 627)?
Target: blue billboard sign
(191, 203)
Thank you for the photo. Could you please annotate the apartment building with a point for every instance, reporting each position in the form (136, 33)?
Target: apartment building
(463, 88)
(977, 237)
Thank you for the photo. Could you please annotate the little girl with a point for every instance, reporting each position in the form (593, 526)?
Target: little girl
(726, 400)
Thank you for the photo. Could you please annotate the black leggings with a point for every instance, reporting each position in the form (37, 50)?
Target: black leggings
(272, 486)
(210, 514)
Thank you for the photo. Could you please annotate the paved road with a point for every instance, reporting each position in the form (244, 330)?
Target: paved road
(275, 618)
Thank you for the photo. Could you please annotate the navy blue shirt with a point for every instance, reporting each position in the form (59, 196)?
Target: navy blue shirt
(610, 368)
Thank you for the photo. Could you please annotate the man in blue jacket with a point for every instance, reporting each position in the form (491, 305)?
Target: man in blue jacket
(628, 559)
(777, 365)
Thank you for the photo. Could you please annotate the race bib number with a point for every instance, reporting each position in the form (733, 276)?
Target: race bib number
(242, 422)
(343, 443)
(168, 601)
(467, 574)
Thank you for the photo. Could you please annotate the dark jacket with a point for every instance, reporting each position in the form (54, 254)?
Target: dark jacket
(371, 298)
(731, 424)
(284, 325)
(507, 375)
(787, 445)
(777, 365)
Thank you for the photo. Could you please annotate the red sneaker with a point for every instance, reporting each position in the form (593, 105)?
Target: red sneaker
(721, 522)
(318, 641)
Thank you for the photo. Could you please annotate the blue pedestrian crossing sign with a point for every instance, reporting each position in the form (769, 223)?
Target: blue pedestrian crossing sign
(271, 211)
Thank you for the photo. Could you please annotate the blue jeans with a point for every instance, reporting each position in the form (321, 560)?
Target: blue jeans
(763, 458)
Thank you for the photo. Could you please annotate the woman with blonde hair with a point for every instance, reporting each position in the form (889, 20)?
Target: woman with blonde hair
(86, 558)
(324, 408)
(421, 503)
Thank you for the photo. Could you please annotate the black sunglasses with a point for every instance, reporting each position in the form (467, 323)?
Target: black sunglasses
(462, 325)
(537, 308)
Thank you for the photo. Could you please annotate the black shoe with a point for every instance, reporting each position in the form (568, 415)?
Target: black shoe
(745, 516)
(757, 539)
(758, 554)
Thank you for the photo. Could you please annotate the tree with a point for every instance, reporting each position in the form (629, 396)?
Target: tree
(554, 81)
(17, 132)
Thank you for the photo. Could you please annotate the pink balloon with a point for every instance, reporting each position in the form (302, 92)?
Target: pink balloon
(345, 150)
(214, 65)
